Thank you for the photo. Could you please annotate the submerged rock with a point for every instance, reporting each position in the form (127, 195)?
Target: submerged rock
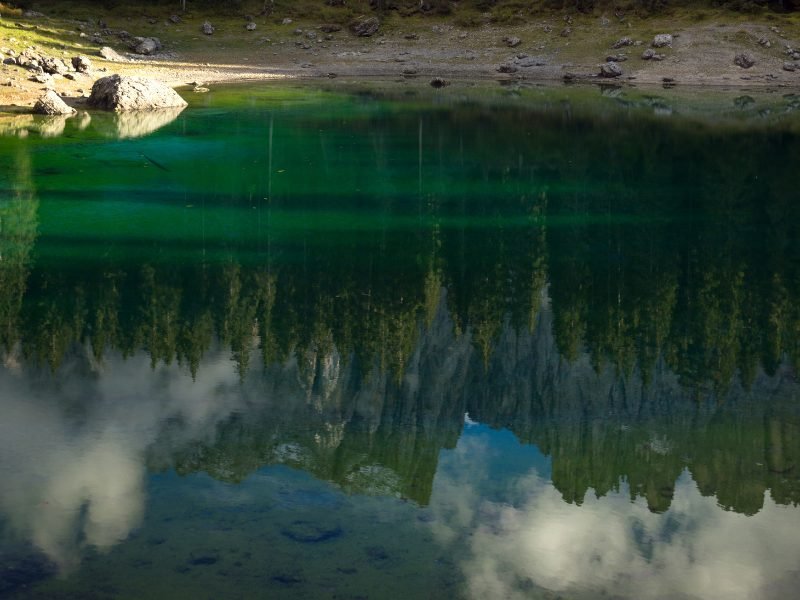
(119, 93)
(307, 532)
(52, 104)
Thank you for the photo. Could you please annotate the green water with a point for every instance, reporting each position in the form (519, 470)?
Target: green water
(386, 342)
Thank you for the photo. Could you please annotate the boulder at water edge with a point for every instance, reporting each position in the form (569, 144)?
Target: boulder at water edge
(52, 104)
(119, 93)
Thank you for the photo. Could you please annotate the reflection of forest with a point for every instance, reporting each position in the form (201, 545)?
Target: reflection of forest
(628, 338)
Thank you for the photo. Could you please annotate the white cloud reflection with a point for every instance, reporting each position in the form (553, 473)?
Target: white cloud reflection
(72, 457)
(528, 537)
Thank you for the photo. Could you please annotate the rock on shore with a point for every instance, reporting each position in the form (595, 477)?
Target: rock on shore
(52, 104)
(120, 93)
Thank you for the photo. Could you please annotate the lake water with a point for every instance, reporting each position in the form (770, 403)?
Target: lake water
(390, 342)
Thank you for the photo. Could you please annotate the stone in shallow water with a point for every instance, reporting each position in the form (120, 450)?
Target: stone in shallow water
(307, 532)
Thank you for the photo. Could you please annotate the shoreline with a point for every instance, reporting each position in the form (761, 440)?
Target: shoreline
(699, 56)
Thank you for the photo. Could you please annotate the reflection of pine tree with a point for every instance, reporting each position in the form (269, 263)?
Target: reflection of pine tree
(18, 230)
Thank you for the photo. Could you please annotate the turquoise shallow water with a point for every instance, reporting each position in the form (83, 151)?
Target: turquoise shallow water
(337, 343)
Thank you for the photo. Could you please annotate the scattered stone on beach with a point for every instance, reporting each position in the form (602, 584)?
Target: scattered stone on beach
(81, 64)
(566, 32)
(365, 26)
(53, 66)
(411, 36)
(42, 78)
(121, 93)
(622, 42)
(616, 58)
(610, 69)
(512, 42)
(764, 42)
(506, 68)
(250, 26)
(662, 40)
(410, 71)
(330, 28)
(207, 28)
(51, 104)
(744, 60)
(145, 45)
(439, 82)
(788, 66)
(287, 21)
(651, 54)
(175, 19)
(111, 54)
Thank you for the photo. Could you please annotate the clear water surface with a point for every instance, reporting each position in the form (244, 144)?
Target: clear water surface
(296, 342)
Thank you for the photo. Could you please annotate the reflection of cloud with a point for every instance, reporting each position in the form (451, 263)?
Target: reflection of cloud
(72, 477)
(528, 536)
(138, 123)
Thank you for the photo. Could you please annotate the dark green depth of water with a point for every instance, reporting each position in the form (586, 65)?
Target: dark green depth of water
(333, 344)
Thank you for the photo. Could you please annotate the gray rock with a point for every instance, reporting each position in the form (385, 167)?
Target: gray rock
(250, 26)
(43, 78)
(53, 66)
(530, 61)
(410, 71)
(616, 58)
(662, 40)
(121, 93)
(207, 28)
(111, 54)
(175, 19)
(365, 27)
(648, 54)
(506, 68)
(146, 45)
(764, 42)
(52, 104)
(512, 42)
(81, 64)
(788, 66)
(566, 32)
(622, 42)
(286, 21)
(330, 28)
(744, 60)
(610, 69)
